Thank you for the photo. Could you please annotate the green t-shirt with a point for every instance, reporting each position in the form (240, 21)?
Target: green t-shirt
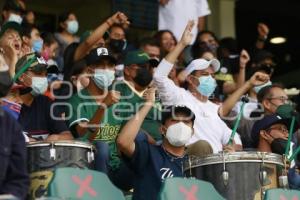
(83, 109)
(131, 102)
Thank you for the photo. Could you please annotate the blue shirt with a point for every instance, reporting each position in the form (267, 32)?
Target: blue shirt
(152, 165)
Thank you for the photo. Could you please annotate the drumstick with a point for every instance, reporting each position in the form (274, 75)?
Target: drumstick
(237, 122)
(293, 156)
(287, 148)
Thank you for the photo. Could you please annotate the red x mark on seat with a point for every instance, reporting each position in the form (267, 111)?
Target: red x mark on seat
(284, 198)
(189, 195)
(84, 186)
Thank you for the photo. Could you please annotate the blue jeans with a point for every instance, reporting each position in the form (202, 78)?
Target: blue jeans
(294, 179)
(102, 157)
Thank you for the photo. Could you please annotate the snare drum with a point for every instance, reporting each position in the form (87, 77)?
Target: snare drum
(52, 155)
(239, 175)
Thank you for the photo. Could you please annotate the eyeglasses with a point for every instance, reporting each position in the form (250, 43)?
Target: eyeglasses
(283, 99)
(279, 128)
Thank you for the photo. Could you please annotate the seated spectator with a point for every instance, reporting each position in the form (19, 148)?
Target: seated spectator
(68, 27)
(13, 11)
(200, 85)
(270, 134)
(14, 177)
(11, 42)
(166, 40)
(32, 41)
(93, 112)
(38, 118)
(153, 164)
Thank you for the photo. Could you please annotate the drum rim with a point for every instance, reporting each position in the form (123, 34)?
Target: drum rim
(270, 158)
(69, 143)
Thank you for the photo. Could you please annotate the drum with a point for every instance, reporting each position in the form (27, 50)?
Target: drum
(44, 157)
(52, 155)
(238, 175)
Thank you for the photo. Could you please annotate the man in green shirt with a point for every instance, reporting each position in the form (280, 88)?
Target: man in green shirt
(137, 78)
(92, 116)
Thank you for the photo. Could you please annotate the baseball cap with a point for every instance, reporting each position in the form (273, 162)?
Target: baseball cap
(32, 62)
(11, 25)
(96, 55)
(264, 124)
(170, 111)
(136, 57)
(201, 64)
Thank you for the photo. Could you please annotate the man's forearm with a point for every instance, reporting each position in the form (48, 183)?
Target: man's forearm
(130, 130)
(229, 103)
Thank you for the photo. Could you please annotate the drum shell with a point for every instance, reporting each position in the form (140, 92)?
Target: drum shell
(244, 181)
(68, 154)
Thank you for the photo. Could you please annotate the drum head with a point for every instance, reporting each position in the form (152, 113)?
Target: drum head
(72, 143)
(235, 157)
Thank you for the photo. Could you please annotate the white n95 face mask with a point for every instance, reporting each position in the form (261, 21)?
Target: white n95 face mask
(179, 134)
(39, 85)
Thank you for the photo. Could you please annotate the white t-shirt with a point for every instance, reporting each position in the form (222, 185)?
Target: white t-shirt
(176, 13)
(208, 125)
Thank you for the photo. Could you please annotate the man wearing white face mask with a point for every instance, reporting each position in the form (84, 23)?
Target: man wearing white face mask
(37, 118)
(200, 85)
(153, 164)
(12, 11)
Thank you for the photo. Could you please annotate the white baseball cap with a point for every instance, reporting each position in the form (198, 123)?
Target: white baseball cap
(201, 64)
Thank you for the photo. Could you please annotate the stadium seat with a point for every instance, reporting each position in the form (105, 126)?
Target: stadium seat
(188, 189)
(282, 194)
(84, 184)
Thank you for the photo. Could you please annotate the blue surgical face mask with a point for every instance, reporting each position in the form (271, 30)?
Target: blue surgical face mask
(207, 85)
(37, 45)
(72, 26)
(15, 18)
(103, 78)
(259, 87)
(39, 85)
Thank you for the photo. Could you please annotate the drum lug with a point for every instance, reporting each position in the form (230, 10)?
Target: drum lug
(225, 177)
(90, 156)
(263, 177)
(283, 181)
(52, 153)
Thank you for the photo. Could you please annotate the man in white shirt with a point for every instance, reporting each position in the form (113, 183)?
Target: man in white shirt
(208, 125)
(174, 15)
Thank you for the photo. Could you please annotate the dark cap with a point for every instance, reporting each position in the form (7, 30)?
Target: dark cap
(10, 25)
(32, 62)
(137, 57)
(171, 111)
(99, 54)
(264, 124)
(13, 5)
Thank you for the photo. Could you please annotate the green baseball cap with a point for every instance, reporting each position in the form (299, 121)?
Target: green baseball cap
(30, 62)
(10, 25)
(136, 57)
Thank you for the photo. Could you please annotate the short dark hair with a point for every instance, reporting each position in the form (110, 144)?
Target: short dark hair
(169, 111)
(27, 29)
(48, 38)
(62, 18)
(149, 41)
(265, 92)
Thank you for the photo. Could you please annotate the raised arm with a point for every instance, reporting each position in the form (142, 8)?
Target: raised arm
(125, 140)
(87, 45)
(258, 78)
(166, 87)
